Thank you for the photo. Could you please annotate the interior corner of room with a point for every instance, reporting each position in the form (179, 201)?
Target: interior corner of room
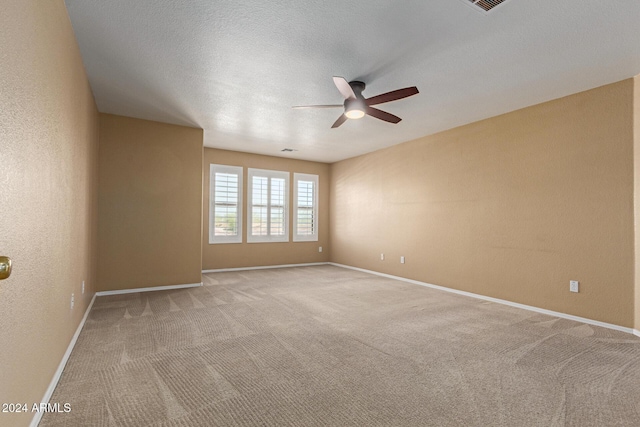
(510, 208)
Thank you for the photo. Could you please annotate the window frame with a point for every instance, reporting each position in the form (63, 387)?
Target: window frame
(316, 183)
(269, 174)
(235, 170)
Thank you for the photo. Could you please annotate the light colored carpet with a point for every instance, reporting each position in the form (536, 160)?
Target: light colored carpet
(327, 346)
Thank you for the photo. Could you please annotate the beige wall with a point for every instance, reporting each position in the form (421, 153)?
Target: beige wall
(149, 203)
(636, 161)
(512, 207)
(48, 164)
(259, 254)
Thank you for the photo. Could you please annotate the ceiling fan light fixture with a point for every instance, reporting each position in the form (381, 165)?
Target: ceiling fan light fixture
(354, 109)
(354, 114)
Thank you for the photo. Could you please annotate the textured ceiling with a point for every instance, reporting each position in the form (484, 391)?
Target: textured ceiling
(235, 68)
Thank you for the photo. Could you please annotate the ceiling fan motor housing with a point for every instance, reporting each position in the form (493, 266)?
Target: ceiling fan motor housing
(354, 108)
(354, 104)
(357, 87)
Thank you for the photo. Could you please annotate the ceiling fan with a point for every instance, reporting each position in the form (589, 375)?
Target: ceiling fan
(356, 106)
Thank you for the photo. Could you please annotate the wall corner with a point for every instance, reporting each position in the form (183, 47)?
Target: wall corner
(636, 198)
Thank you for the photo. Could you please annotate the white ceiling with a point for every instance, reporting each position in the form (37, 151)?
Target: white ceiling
(235, 68)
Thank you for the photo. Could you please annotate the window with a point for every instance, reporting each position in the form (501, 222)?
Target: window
(225, 204)
(268, 213)
(305, 199)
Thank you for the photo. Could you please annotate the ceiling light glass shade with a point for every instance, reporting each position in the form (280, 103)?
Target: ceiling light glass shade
(354, 108)
(354, 114)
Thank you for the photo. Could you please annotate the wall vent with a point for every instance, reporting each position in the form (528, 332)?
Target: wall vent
(485, 5)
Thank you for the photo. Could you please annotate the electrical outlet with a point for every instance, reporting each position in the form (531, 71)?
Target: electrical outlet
(72, 301)
(319, 248)
(381, 257)
(401, 260)
(83, 287)
(574, 286)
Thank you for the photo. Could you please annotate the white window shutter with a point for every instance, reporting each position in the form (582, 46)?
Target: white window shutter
(225, 207)
(305, 207)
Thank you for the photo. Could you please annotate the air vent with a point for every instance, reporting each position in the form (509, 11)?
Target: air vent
(485, 5)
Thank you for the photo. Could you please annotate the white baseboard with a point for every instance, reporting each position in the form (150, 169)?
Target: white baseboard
(150, 289)
(56, 377)
(262, 267)
(500, 301)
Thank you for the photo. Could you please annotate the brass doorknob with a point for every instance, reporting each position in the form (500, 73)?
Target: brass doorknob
(5, 267)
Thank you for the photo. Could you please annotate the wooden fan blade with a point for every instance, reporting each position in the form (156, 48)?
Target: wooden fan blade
(340, 121)
(382, 115)
(343, 86)
(392, 96)
(318, 106)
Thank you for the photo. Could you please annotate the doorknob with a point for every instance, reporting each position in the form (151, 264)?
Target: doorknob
(5, 267)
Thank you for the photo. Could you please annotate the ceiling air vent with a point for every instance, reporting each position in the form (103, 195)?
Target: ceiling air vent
(485, 5)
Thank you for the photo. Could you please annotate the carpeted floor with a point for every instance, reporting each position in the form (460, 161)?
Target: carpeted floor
(327, 346)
